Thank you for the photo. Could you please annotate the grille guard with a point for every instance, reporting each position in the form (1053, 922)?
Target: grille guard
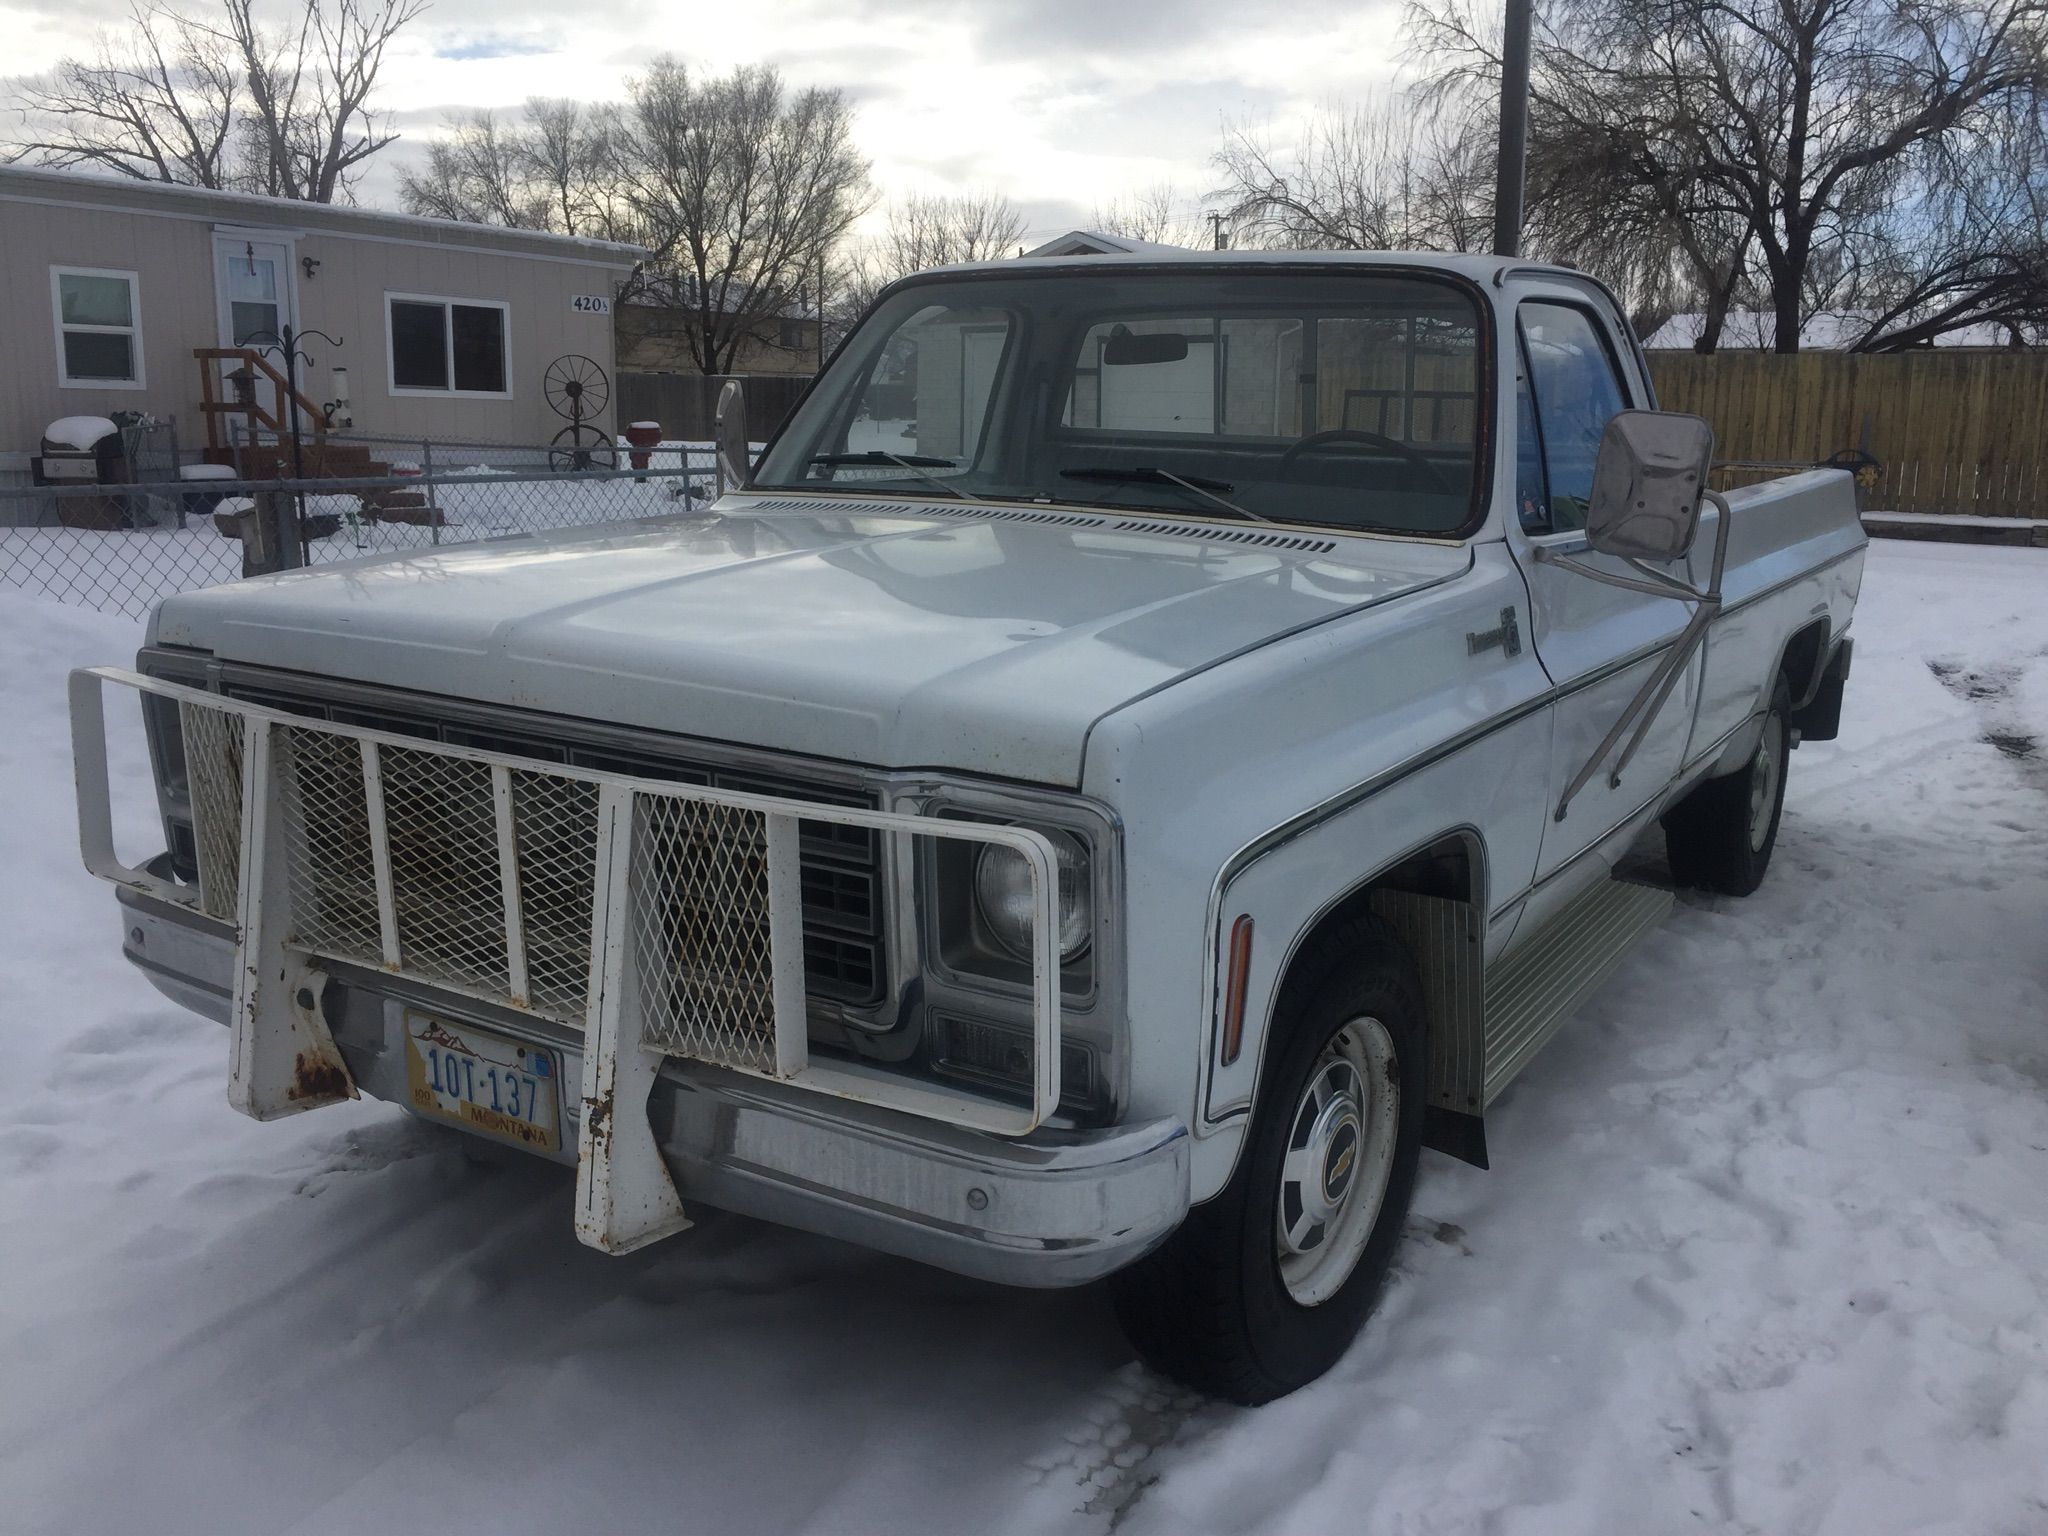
(665, 918)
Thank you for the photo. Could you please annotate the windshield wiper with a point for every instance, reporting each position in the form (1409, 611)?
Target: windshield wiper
(1146, 474)
(919, 464)
(877, 456)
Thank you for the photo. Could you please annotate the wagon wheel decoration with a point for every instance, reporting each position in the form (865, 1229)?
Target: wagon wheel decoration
(576, 387)
(582, 446)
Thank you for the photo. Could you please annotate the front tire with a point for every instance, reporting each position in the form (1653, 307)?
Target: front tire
(1720, 837)
(1264, 1287)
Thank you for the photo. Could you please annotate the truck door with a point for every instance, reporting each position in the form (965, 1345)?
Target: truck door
(1597, 643)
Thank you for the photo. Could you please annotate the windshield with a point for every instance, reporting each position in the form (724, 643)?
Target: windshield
(1344, 399)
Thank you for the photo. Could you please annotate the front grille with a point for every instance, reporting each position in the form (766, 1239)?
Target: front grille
(841, 875)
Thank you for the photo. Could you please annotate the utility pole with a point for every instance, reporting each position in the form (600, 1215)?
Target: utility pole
(1514, 130)
(1222, 241)
(821, 309)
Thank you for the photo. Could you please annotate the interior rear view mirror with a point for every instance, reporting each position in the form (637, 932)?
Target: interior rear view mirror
(1647, 485)
(1125, 347)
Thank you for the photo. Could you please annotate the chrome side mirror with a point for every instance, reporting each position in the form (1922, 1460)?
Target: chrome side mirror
(1647, 485)
(730, 453)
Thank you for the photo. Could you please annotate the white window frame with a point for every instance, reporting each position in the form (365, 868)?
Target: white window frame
(447, 303)
(132, 330)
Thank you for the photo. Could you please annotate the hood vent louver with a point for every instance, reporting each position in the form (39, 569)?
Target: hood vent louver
(1246, 538)
(1250, 538)
(981, 511)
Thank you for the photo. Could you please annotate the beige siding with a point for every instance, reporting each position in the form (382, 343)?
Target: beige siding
(174, 259)
(346, 298)
(171, 261)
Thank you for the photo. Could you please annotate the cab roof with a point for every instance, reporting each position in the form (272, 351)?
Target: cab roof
(1479, 269)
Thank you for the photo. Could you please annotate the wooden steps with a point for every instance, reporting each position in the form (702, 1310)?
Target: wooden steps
(317, 461)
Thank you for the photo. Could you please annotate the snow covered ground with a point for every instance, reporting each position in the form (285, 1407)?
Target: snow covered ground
(1765, 1247)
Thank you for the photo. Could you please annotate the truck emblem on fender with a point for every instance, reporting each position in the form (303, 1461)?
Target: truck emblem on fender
(1507, 635)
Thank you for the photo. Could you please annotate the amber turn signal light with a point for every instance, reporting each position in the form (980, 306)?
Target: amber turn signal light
(1235, 980)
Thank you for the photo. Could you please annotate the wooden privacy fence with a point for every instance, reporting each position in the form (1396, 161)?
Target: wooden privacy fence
(1951, 431)
(686, 404)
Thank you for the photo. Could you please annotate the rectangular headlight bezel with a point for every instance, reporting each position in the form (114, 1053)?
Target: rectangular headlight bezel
(163, 728)
(955, 944)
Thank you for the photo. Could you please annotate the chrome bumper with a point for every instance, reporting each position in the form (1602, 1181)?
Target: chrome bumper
(1052, 1208)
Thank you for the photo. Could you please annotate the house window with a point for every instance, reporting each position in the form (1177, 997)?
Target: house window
(448, 346)
(793, 339)
(99, 327)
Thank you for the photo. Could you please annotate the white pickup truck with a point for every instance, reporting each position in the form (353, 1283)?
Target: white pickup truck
(1145, 751)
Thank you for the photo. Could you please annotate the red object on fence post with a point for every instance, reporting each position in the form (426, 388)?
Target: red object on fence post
(643, 436)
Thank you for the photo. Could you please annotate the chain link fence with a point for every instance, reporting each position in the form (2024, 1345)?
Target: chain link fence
(445, 455)
(120, 548)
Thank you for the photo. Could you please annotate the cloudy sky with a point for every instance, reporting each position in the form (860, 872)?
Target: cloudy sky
(1063, 104)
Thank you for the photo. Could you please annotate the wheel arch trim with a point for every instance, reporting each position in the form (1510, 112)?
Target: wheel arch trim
(1444, 935)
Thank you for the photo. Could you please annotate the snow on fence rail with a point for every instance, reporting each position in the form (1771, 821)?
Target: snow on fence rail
(120, 548)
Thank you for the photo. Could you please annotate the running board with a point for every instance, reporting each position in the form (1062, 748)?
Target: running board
(1529, 997)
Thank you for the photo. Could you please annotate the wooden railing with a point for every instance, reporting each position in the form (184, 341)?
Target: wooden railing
(222, 397)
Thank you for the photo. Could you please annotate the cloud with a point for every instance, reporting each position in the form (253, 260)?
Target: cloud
(492, 47)
(1061, 104)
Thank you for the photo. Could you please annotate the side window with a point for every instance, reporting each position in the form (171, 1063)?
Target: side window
(1577, 391)
(99, 328)
(1532, 495)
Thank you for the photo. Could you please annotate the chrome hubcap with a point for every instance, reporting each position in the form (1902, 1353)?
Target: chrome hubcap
(1763, 781)
(1340, 1152)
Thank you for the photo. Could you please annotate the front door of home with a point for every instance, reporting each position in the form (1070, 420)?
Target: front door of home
(253, 284)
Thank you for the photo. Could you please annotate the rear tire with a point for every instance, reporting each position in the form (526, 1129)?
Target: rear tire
(1264, 1287)
(1720, 837)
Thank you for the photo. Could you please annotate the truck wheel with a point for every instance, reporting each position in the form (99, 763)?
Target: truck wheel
(1265, 1286)
(1720, 837)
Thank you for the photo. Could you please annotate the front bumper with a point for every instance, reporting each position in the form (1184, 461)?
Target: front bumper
(1052, 1208)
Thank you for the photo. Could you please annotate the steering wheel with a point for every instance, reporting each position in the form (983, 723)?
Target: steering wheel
(1360, 435)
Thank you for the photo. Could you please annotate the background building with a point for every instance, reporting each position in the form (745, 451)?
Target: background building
(445, 330)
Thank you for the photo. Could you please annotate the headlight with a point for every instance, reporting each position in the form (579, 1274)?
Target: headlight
(1002, 890)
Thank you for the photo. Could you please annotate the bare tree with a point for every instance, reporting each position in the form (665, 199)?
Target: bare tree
(575, 159)
(1786, 132)
(309, 124)
(478, 171)
(162, 108)
(921, 231)
(1964, 243)
(741, 189)
(1157, 214)
(225, 103)
(1605, 194)
(936, 231)
(557, 167)
(1384, 175)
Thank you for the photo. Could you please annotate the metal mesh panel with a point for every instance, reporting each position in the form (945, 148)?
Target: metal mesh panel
(556, 822)
(698, 910)
(700, 931)
(329, 869)
(214, 739)
(441, 819)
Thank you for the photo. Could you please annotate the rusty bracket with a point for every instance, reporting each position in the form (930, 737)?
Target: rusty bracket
(283, 1059)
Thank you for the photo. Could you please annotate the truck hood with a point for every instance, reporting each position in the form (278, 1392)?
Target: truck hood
(984, 640)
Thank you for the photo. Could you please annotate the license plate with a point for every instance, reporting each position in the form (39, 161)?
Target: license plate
(483, 1081)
